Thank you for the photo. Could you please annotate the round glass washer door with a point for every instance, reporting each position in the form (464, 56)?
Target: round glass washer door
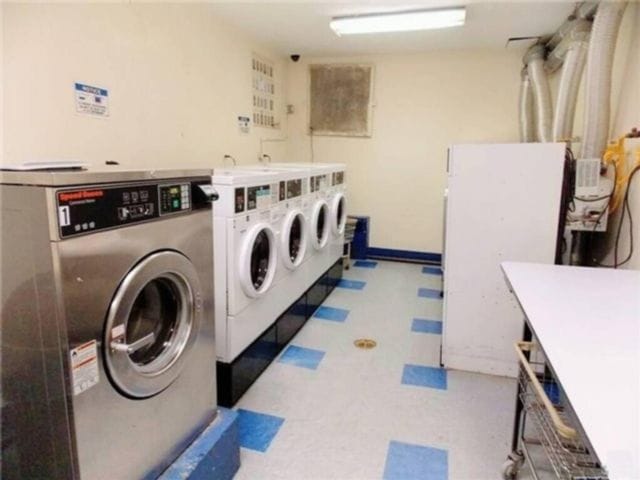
(338, 214)
(320, 225)
(294, 239)
(258, 258)
(152, 323)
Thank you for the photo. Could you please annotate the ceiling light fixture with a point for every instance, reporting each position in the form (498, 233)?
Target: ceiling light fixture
(399, 21)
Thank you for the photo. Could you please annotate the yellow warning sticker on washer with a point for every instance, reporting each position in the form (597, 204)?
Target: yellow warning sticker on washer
(84, 367)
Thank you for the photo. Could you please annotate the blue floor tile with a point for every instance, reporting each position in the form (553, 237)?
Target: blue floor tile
(332, 314)
(257, 430)
(432, 270)
(428, 293)
(422, 376)
(365, 263)
(423, 325)
(351, 284)
(406, 461)
(302, 357)
(213, 454)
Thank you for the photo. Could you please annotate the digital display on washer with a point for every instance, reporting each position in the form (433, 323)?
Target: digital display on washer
(337, 178)
(174, 198)
(294, 188)
(258, 197)
(281, 191)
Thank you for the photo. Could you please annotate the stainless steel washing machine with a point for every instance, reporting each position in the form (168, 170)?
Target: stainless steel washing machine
(108, 349)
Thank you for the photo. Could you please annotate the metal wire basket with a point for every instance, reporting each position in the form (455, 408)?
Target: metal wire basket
(350, 229)
(554, 422)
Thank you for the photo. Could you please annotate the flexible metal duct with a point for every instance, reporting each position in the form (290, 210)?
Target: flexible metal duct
(555, 58)
(598, 77)
(561, 33)
(586, 10)
(534, 60)
(527, 125)
(574, 60)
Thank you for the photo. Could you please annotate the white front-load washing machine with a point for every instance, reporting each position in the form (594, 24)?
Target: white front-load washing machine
(337, 211)
(246, 257)
(107, 321)
(258, 324)
(325, 209)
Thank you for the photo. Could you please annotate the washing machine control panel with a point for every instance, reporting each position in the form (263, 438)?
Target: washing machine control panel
(258, 197)
(174, 198)
(93, 208)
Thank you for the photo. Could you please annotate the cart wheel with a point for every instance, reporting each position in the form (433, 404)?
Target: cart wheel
(509, 470)
(511, 467)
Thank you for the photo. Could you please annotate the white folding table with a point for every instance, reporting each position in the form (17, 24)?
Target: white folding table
(587, 323)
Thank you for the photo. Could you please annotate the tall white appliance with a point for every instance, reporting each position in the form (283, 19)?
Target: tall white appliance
(503, 204)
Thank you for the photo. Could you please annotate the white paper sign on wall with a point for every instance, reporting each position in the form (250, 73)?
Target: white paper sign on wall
(92, 100)
(244, 124)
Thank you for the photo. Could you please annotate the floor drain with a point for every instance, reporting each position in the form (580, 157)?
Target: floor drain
(365, 343)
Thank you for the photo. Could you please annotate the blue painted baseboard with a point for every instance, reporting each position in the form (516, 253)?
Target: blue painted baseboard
(214, 455)
(405, 255)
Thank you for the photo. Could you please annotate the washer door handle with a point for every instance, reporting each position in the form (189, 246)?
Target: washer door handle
(135, 346)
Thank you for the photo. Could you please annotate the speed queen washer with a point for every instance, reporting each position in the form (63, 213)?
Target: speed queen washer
(108, 354)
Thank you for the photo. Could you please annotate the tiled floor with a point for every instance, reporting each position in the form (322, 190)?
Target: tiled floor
(328, 410)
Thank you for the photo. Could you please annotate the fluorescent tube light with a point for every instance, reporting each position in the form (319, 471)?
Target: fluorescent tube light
(399, 21)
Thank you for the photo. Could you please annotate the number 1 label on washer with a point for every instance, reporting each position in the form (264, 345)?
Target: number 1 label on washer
(64, 217)
(84, 367)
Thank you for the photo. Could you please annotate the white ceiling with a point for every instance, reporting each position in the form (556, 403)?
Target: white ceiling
(303, 26)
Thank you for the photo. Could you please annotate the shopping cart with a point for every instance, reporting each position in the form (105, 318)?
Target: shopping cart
(549, 438)
(349, 232)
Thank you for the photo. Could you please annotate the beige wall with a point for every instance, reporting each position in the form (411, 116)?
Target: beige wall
(423, 104)
(177, 80)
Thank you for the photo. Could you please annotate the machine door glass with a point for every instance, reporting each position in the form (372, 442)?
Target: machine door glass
(340, 215)
(260, 256)
(153, 320)
(151, 324)
(295, 238)
(320, 224)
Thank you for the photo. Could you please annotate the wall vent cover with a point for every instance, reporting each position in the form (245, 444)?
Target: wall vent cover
(340, 96)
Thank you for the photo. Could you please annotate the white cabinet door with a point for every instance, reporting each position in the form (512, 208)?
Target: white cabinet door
(503, 204)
